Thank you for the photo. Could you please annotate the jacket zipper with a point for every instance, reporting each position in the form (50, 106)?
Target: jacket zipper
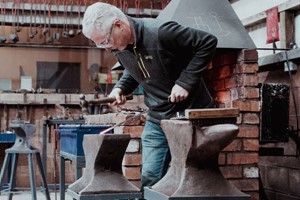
(141, 63)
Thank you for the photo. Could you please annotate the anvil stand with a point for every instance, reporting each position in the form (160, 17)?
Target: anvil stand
(22, 145)
(194, 172)
(103, 178)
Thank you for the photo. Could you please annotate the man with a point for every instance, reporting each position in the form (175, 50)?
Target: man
(166, 59)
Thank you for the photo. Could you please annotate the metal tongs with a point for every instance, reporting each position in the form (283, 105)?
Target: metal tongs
(123, 122)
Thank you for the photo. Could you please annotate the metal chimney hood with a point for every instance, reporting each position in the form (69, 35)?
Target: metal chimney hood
(213, 16)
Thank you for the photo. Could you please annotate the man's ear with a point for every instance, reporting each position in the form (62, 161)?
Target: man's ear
(117, 23)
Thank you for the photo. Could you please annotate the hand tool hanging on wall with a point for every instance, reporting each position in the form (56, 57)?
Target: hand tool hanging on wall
(45, 29)
(151, 8)
(40, 15)
(78, 31)
(125, 7)
(56, 33)
(13, 35)
(71, 30)
(138, 7)
(121, 5)
(49, 39)
(31, 34)
(22, 22)
(3, 10)
(18, 16)
(65, 26)
(34, 30)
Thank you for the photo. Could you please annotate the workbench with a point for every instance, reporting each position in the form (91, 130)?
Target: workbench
(79, 161)
(53, 122)
(9, 139)
(79, 164)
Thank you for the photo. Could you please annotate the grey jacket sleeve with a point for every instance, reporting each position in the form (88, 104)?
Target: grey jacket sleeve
(126, 83)
(200, 44)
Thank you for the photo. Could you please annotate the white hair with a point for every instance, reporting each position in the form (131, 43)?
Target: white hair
(99, 17)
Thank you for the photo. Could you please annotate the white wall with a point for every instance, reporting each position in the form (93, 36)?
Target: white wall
(247, 8)
(258, 33)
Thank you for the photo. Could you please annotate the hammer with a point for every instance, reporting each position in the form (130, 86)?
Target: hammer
(107, 100)
(85, 104)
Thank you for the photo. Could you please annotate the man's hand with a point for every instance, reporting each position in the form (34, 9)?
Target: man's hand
(178, 94)
(117, 93)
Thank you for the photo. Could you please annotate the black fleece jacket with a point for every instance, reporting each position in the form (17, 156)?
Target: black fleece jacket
(164, 54)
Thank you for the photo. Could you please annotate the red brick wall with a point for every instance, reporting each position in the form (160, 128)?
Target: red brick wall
(233, 80)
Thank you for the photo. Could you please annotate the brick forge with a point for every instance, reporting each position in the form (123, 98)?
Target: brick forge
(233, 80)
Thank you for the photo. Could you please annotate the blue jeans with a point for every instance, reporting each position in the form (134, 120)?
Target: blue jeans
(155, 154)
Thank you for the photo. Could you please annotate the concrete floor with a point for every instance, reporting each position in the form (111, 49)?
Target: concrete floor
(39, 196)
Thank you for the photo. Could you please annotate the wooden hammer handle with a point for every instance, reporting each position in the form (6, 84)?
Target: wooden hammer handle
(107, 100)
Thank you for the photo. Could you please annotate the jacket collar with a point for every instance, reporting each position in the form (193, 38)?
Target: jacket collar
(137, 26)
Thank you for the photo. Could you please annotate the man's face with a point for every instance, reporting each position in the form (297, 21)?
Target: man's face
(116, 39)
